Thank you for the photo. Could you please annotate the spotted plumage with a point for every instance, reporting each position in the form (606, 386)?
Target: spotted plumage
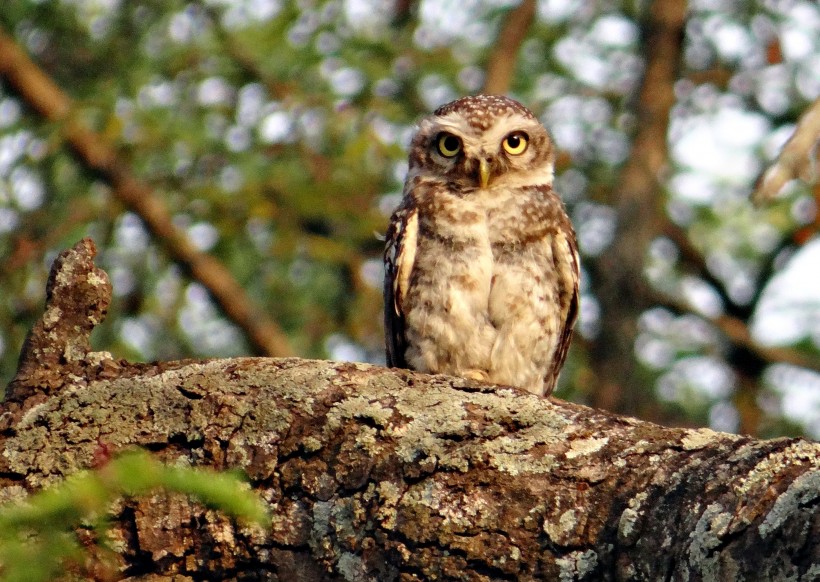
(481, 263)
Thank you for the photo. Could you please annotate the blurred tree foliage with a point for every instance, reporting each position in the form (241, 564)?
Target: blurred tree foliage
(273, 134)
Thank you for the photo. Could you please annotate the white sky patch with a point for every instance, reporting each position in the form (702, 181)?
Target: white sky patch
(557, 10)
(238, 13)
(215, 91)
(731, 40)
(369, 17)
(614, 30)
(158, 93)
(720, 144)
(276, 127)
(341, 349)
(27, 187)
(10, 111)
(347, 81)
(789, 309)
(204, 235)
(798, 35)
(800, 395)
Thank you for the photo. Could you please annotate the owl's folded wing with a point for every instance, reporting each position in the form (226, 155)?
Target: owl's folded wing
(567, 267)
(399, 256)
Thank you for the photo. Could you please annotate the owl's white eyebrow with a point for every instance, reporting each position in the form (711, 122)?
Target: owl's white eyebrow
(457, 125)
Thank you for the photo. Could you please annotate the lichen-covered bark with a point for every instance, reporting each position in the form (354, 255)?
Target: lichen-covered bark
(377, 474)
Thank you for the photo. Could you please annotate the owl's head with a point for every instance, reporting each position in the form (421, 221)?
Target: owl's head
(481, 142)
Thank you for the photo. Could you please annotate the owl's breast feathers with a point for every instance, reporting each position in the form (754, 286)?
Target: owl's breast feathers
(534, 281)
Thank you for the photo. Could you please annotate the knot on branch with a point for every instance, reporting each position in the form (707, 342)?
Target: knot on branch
(77, 298)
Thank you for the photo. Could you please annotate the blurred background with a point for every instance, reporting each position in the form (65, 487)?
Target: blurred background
(236, 160)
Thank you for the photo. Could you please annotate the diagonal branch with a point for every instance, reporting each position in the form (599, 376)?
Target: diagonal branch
(798, 159)
(46, 98)
(737, 332)
(501, 64)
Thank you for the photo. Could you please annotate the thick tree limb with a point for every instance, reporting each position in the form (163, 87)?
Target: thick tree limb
(46, 98)
(377, 474)
(619, 271)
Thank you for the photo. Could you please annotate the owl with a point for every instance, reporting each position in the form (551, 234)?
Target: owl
(481, 261)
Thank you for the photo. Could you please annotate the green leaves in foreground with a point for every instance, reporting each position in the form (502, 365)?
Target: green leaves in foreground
(37, 537)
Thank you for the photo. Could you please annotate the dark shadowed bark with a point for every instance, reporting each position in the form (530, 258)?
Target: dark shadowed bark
(377, 474)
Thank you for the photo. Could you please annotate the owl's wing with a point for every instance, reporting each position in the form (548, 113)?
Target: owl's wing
(567, 267)
(399, 256)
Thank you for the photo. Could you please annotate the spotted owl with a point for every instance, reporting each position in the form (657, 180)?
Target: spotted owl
(481, 262)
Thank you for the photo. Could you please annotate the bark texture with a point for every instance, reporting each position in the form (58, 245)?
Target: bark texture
(377, 474)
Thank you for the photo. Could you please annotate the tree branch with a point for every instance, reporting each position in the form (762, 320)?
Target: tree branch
(737, 332)
(798, 159)
(377, 474)
(639, 214)
(47, 99)
(501, 64)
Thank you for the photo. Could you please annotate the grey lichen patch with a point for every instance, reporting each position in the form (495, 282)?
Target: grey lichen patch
(311, 444)
(630, 516)
(52, 316)
(698, 439)
(12, 494)
(586, 446)
(442, 428)
(97, 358)
(352, 568)
(639, 448)
(521, 464)
(33, 414)
(710, 530)
(801, 493)
(358, 407)
(457, 509)
(509, 454)
(577, 565)
(433, 415)
(766, 471)
(525, 410)
(296, 381)
(389, 495)
(322, 512)
(367, 440)
(562, 531)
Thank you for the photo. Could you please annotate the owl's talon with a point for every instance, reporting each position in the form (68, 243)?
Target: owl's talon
(480, 375)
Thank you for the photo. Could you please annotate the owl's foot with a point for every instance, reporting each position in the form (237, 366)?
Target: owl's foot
(481, 375)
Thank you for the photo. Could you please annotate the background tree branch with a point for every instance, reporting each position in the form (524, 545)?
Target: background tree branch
(798, 159)
(387, 474)
(619, 270)
(97, 155)
(501, 63)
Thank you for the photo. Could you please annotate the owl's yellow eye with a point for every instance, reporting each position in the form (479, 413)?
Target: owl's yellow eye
(516, 143)
(448, 145)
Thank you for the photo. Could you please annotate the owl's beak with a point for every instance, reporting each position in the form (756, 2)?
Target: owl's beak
(484, 172)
